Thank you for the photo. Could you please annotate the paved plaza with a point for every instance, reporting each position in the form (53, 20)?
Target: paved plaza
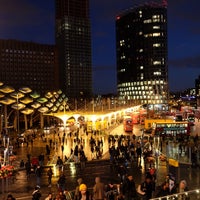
(22, 187)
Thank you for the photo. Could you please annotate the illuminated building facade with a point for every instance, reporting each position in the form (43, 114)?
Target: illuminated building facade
(142, 69)
(73, 40)
(28, 64)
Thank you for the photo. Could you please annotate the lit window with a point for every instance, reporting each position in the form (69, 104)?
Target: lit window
(123, 57)
(156, 45)
(141, 67)
(147, 21)
(148, 35)
(140, 13)
(157, 73)
(122, 42)
(156, 20)
(122, 70)
(156, 27)
(141, 50)
(156, 62)
(156, 34)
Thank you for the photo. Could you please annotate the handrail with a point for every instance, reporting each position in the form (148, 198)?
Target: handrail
(186, 193)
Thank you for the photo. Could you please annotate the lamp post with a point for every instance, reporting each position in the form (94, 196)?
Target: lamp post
(17, 114)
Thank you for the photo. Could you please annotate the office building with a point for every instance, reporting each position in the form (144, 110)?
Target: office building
(73, 40)
(28, 64)
(142, 69)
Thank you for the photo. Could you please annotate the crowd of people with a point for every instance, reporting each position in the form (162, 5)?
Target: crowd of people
(123, 150)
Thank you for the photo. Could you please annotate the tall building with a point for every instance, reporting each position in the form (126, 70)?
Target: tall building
(73, 40)
(142, 53)
(28, 64)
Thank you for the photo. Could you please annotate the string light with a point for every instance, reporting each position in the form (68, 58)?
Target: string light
(174, 196)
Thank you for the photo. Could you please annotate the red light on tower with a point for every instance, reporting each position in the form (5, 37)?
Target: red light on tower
(118, 17)
(164, 2)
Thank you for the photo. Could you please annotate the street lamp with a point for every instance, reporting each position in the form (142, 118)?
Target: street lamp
(17, 114)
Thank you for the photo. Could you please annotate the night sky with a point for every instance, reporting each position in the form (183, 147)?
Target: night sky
(33, 20)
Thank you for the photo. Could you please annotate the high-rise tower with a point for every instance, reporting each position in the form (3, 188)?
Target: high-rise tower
(142, 69)
(73, 40)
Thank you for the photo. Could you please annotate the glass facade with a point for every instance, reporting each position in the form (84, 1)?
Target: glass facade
(29, 64)
(73, 40)
(141, 40)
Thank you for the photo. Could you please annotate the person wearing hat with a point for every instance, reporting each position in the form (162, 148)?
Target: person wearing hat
(84, 193)
(77, 192)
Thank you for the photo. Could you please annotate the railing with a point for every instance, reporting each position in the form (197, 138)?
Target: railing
(191, 194)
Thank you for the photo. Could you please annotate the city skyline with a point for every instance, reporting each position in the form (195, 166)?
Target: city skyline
(183, 36)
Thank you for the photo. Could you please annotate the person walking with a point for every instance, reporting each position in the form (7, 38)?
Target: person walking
(10, 197)
(111, 191)
(28, 168)
(62, 182)
(98, 189)
(146, 188)
(36, 195)
(49, 197)
(49, 174)
(38, 174)
(77, 191)
(182, 188)
(128, 188)
(163, 190)
(84, 193)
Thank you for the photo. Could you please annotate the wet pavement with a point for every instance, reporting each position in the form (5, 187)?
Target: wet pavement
(22, 188)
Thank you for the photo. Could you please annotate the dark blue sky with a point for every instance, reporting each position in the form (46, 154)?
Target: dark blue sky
(33, 20)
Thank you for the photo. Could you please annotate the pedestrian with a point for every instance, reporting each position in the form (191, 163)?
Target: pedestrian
(77, 191)
(82, 159)
(49, 197)
(84, 193)
(22, 164)
(146, 188)
(61, 195)
(122, 171)
(163, 190)
(36, 195)
(62, 182)
(28, 168)
(47, 150)
(38, 173)
(41, 159)
(76, 151)
(111, 191)
(128, 188)
(98, 189)
(49, 174)
(59, 162)
(182, 188)
(10, 197)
